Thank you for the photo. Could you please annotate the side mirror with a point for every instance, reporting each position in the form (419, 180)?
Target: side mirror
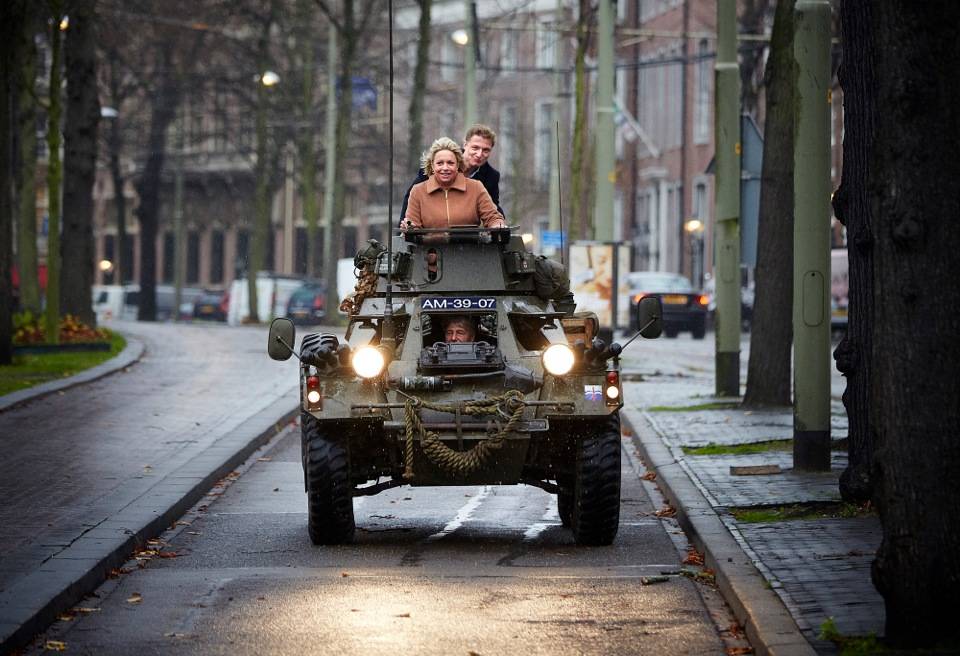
(281, 339)
(649, 311)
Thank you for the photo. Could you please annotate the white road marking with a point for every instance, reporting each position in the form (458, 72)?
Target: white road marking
(463, 514)
(550, 518)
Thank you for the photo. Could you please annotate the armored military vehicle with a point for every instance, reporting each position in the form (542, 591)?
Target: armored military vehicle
(533, 398)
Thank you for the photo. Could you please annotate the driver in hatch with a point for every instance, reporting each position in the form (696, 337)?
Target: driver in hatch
(459, 328)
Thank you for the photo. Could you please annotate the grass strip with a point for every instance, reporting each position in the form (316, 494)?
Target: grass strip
(801, 511)
(738, 449)
(34, 369)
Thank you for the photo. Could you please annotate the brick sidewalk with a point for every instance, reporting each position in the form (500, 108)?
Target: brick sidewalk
(819, 568)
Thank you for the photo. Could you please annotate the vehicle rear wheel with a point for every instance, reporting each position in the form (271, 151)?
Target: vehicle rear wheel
(699, 332)
(326, 468)
(596, 490)
(670, 332)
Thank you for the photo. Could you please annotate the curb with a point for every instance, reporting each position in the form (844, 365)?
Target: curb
(131, 353)
(33, 602)
(770, 627)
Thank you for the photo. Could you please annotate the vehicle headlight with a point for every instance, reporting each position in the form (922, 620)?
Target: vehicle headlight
(558, 359)
(367, 361)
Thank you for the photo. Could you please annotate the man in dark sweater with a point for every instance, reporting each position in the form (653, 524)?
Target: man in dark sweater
(477, 146)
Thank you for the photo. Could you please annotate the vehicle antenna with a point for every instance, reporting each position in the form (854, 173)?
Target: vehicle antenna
(388, 338)
(559, 193)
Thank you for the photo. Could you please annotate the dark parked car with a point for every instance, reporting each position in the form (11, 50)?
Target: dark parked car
(683, 308)
(211, 305)
(307, 304)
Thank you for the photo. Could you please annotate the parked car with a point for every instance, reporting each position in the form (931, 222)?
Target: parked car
(211, 305)
(683, 307)
(307, 304)
(116, 302)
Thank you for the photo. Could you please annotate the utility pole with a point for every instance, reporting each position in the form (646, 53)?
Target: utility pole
(727, 227)
(605, 164)
(470, 66)
(178, 240)
(330, 159)
(811, 237)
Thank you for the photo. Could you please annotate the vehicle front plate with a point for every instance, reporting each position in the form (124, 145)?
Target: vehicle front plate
(459, 303)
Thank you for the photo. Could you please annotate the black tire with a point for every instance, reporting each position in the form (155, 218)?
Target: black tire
(671, 333)
(596, 490)
(699, 332)
(565, 506)
(326, 469)
(312, 342)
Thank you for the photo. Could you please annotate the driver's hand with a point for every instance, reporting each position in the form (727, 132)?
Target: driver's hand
(405, 225)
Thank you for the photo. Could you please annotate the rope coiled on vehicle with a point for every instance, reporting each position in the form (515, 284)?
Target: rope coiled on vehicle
(510, 404)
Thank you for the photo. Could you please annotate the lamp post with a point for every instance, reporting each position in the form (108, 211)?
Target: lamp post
(467, 39)
(694, 229)
(113, 116)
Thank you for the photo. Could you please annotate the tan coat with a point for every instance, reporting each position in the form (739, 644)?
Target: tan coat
(466, 200)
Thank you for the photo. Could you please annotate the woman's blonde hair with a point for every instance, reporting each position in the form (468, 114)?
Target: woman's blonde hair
(443, 143)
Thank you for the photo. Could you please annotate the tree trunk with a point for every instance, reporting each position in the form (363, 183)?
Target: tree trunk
(771, 335)
(54, 178)
(115, 145)
(852, 207)
(911, 187)
(305, 139)
(416, 146)
(80, 160)
(579, 163)
(26, 176)
(752, 21)
(11, 24)
(164, 105)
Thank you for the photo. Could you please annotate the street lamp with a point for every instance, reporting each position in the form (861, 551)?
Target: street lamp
(694, 228)
(268, 78)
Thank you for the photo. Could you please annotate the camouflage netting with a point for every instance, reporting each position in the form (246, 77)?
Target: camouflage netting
(365, 269)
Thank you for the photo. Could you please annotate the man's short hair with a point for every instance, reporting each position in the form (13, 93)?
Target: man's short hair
(461, 319)
(481, 130)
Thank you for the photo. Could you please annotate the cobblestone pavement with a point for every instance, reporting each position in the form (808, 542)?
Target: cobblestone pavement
(819, 568)
(87, 466)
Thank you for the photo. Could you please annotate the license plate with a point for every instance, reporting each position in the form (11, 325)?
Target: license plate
(675, 299)
(206, 308)
(459, 303)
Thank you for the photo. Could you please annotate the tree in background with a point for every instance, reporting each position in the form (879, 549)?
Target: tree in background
(771, 336)
(51, 317)
(26, 167)
(580, 166)
(306, 31)
(415, 146)
(80, 161)
(902, 113)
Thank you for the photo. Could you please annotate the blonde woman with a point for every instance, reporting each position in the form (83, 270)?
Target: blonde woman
(448, 198)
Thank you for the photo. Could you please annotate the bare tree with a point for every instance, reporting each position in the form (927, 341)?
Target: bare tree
(26, 168)
(771, 336)
(753, 18)
(80, 160)
(415, 145)
(580, 168)
(54, 175)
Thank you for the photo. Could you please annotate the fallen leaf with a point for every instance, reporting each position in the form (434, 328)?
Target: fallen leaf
(169, 554)
(650, 476)
(666, 511)
(403, 615)
(135, 598)
(55, 645)
(65, 617)
(276, 489)
(344, 574)
(264, 459)
(735, 630)
(174, 634)
(147, 469)
(194, 533)
(739, 651)
(694, 557)
(86, 609)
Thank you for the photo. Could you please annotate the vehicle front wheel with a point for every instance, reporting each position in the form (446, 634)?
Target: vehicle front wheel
(565, 506)
(596, 491)
(326, 468)
(699, 331)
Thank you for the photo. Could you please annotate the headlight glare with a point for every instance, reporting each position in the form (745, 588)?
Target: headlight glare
(368, 362)
(558, 359)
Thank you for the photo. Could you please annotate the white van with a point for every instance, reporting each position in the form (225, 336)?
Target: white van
(107, 302)
(273, 293)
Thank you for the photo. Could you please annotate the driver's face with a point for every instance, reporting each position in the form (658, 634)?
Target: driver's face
(459, 331)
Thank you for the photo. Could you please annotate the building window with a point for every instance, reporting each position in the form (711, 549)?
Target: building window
(701, 118)
(216, 256)
(546, 45)
(300, 251)
(508, 51)
(543, 141)
(168, 256)
(193, 257)
(700, 201)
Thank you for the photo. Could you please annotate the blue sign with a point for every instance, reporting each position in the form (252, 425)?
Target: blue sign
(551, 239)
(364, 92)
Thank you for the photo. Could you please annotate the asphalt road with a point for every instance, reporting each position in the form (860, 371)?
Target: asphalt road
(466, 570)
